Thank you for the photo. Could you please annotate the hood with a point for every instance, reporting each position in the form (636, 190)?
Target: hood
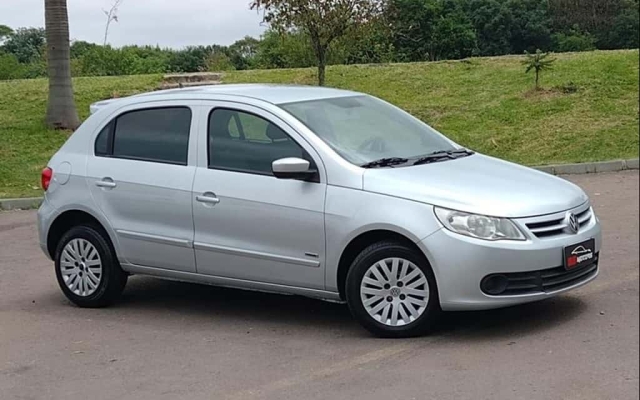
(478, 184)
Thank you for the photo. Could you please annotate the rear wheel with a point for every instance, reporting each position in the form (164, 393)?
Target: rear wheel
(392, 291)
(87, 269)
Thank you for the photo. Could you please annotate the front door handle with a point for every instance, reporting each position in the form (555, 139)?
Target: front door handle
(106, 183)
(208, 198)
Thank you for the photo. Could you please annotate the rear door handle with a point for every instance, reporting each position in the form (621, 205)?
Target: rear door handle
(106, 183)
(208, 198)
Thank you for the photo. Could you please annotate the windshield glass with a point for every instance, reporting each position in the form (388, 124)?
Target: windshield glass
(362, 128)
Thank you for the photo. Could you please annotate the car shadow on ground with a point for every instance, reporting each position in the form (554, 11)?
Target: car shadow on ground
(512, 322)
(152, 295)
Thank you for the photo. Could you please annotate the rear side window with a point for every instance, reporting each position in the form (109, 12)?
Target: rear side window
(157, 135)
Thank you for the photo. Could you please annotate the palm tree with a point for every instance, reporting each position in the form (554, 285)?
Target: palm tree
(537, 62)
(61, 108)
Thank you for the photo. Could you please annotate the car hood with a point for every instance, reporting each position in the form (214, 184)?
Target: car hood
(478, 184)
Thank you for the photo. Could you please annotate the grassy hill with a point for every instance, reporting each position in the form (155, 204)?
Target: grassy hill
(587, 110)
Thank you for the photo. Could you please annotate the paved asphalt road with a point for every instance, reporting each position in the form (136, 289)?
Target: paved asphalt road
(169, 340)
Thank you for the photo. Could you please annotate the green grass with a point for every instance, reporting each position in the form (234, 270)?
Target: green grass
(483, 103)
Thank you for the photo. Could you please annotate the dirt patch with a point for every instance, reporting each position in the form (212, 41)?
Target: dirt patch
(542, 94)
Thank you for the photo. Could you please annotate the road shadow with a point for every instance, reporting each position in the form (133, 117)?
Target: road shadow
(228, 306)
(157, 301)
(512, 322)
(231, 304)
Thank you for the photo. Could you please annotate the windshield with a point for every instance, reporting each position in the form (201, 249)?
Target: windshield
(362, 128)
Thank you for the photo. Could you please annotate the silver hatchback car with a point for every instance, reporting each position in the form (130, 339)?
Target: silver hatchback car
(310, 191)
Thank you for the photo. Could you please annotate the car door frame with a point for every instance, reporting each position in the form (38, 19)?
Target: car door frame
(184, 245)
(299, 139)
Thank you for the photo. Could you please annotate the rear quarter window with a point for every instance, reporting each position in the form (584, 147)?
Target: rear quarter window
(156, 135)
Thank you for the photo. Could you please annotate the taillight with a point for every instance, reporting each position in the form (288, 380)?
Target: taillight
(45, 178)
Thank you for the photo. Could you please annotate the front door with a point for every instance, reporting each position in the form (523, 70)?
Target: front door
(141, 176)
(249, 224)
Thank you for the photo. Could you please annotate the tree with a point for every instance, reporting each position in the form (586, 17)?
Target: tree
(492, 21)
(369, 43)
(624, 33)
(573, 40)
(243, 52)
(79, 48)
(538, 62)
(112, 16)
(431, 29)
(27, 44)
(10, 68)
(324, 21)
(292, 50)
(530, 29)
(61, 108)
(5, 32)
(597, 17)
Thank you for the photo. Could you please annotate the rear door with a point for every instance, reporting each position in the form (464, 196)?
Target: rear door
(140, 175)
(249, 224)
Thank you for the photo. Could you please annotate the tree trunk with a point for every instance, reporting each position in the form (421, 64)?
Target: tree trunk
(320, 50)
(321, 73)
(61, 108)
(322, 65)
(537, 79)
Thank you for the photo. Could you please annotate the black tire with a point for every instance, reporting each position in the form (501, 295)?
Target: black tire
(113, 279)
(368, 257)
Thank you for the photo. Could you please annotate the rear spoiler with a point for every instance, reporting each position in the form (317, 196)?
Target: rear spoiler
(93, 108)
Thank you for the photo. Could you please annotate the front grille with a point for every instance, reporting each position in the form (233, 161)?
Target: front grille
(555, 225)
(542, 281)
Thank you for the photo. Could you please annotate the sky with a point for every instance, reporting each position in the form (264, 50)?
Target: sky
(167, 23)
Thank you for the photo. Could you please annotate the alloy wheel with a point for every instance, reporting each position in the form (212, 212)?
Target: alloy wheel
(394, 291)
(81, 267)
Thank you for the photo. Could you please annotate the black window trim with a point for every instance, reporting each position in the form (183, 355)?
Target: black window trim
(111, 137)
(108, 125)
(314, 179)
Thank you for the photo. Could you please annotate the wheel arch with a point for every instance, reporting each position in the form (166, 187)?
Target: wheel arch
(68, 219)
(362, 241)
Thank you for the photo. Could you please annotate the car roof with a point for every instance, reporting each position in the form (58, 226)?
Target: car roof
(271, 93)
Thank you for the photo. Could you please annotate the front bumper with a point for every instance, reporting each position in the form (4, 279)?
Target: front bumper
(460, 263)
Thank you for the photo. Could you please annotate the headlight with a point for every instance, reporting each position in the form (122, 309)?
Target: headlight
(478, 226)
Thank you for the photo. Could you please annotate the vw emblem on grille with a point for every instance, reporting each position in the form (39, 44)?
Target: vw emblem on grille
(573, 225)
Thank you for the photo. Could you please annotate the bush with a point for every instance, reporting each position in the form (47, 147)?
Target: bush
(10, 68)
(219, 62)
(36, 69)
(191, 59)
(573, 41)
(289, 51)
(130, 60)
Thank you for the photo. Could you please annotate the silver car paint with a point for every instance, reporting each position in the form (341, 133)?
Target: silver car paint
(356, 201)
(460, 270)
(147, 204)
(273, 228)
(478, 184)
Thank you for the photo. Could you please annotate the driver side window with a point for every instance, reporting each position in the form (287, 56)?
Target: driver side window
(244, 142)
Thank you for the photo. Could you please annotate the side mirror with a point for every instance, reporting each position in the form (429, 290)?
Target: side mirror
(293, 168)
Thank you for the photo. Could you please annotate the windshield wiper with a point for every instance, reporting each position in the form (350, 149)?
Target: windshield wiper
(443, 155)
(385, 162)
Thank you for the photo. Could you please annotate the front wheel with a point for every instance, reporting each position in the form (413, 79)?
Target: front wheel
(392, 291)
(87, 269)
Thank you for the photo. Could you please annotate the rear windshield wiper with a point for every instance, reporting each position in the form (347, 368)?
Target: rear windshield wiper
(385, 162)
(443, 155)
